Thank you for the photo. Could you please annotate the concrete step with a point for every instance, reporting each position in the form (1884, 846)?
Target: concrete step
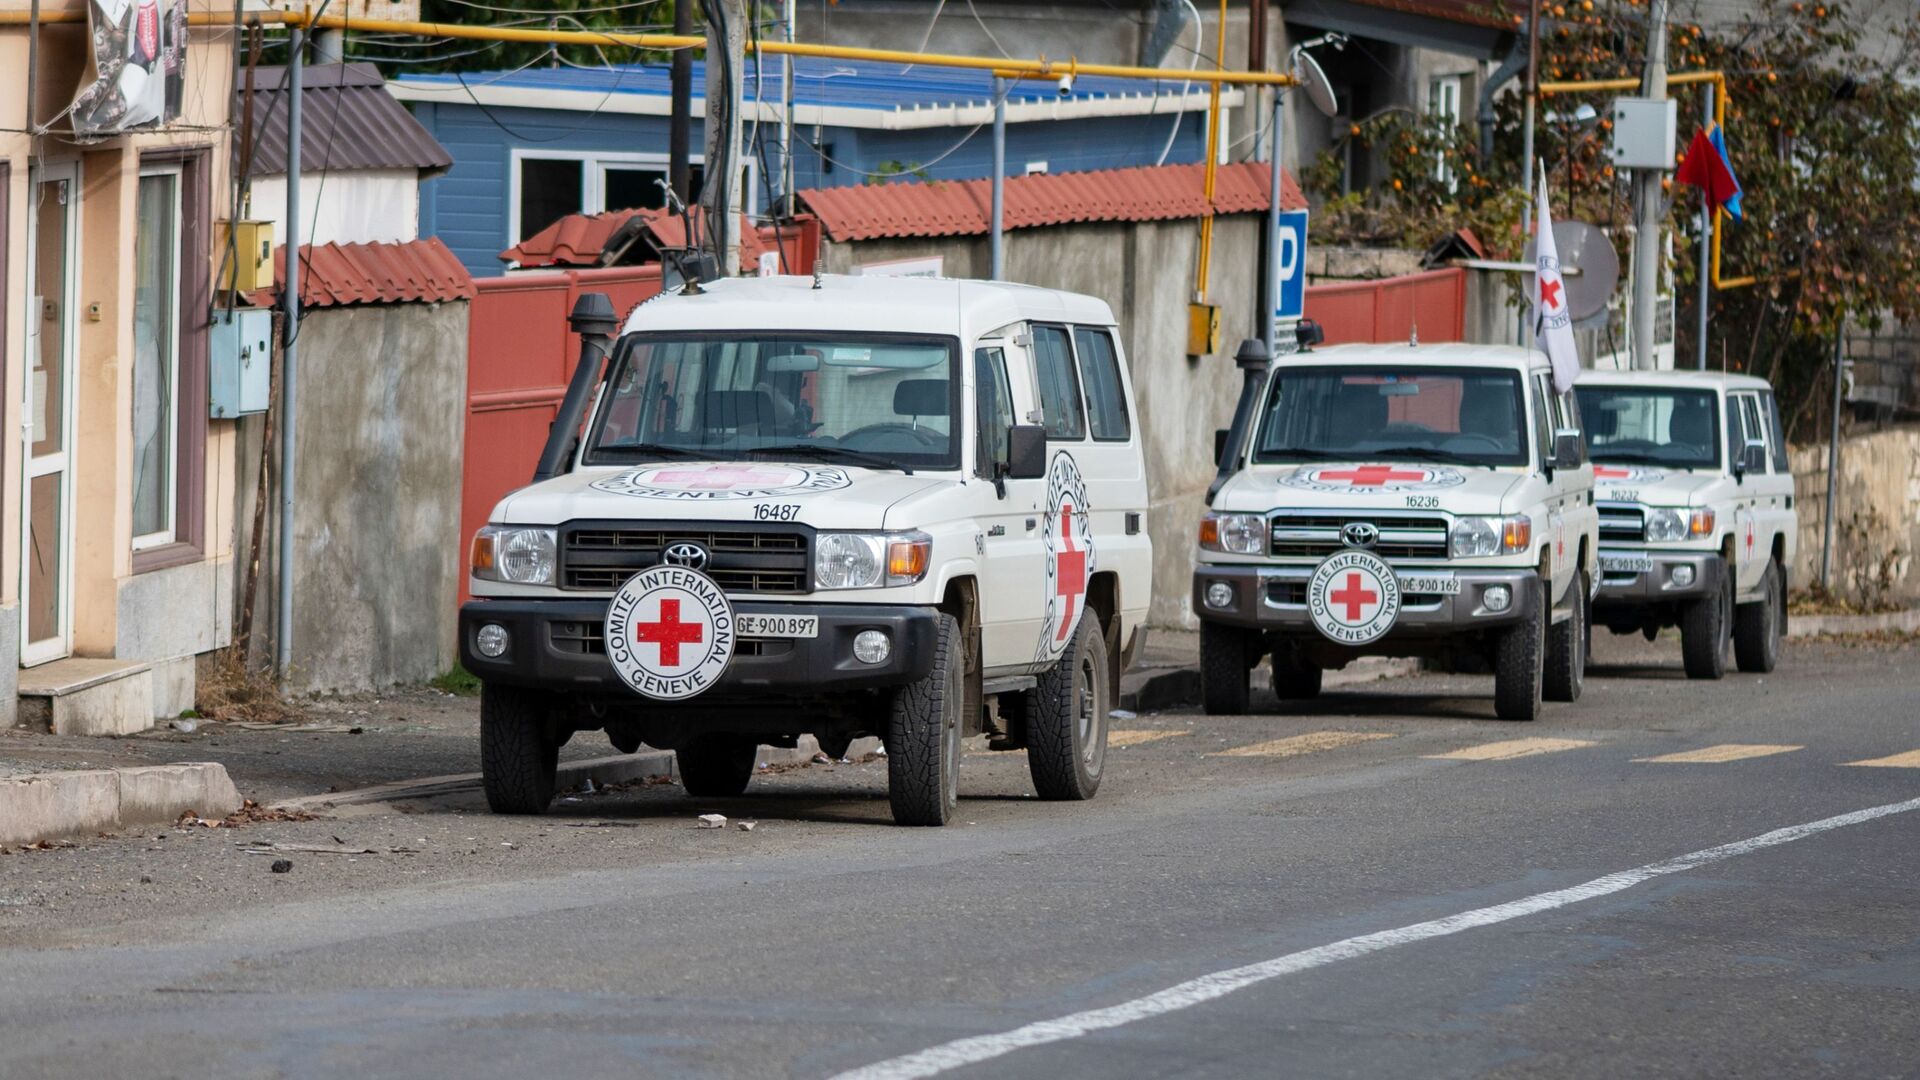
(87, 696)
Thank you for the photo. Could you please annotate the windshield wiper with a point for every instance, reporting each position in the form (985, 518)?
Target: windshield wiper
(642, 451)
(1304, 453)
(1426, 453)
(829, 453)
(1639, 457)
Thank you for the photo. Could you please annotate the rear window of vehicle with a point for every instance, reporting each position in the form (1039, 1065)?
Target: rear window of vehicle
(1059, 386)
(1100, 375)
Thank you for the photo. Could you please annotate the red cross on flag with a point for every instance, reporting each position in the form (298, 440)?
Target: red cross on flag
(1553, 322)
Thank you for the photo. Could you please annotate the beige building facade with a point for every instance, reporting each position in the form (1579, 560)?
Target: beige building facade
(116, 507)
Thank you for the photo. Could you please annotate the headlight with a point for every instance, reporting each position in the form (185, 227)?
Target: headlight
(513, 554)
(870, 560)
(1666, 525)
(1238, 534)
(1474, 537)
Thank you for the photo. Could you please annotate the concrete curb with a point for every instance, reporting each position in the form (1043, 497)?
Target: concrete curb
(1902, 622)
(571, 774)
(1175, 688)
(43, 806)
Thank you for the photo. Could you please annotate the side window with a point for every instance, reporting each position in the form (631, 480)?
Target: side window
(1750, 413)
(1543, 421)
(1100, 374)
(1736, 435)
(993, 407)
(1059, 386)
(1778, 432)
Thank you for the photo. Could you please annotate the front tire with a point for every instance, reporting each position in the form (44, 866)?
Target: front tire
(1295, 679)
(923, 735)
(1227, 654)
(519, 752)
(1518, 665)
(1067, 729)
(716, 766)
(1705, 626)
(1566, 667)
(1757, 625)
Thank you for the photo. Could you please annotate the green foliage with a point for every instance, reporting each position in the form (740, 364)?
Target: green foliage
(888, 171)
(399, 55)
(457, 681)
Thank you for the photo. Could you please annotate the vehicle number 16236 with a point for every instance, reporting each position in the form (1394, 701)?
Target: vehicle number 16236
(1424, 502)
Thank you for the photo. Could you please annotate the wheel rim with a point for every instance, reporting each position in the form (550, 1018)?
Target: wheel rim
(1084, 708)
(950, 738)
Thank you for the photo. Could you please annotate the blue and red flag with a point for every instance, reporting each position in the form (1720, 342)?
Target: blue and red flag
(1708, 168)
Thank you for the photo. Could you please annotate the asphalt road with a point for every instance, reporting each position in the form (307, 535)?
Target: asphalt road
(1397, 889)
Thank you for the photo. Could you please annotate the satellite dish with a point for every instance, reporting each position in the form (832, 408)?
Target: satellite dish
(1314, 82)
(1585, 249)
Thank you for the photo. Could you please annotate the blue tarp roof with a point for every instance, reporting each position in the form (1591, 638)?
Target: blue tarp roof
(858, 84)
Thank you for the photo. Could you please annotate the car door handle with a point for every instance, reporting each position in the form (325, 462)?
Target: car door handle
(1032, 524)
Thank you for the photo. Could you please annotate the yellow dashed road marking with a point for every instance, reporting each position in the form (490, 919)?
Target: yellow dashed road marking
(1509, 749)
(1715, 755)
(1311, 742)
(1908, 760)
(1116, 739)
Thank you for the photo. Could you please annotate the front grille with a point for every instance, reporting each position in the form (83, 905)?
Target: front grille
(1287, 592)
(741, 558)
(1622, 522)
(1316, 536)
(590, 639)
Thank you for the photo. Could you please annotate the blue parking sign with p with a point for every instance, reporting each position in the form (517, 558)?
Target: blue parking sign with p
(1289, 267)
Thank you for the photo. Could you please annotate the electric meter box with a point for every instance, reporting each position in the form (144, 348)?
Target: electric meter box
(240, 362)
(1644, 131)
(251, 266)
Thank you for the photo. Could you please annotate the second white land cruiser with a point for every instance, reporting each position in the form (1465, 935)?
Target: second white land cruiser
(1399, 500)
(832, 506)
(1697, 525)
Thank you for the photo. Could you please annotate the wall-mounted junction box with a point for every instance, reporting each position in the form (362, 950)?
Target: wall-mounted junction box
(240, 362)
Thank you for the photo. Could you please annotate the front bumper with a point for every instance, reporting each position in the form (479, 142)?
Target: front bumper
(1657, 585)
(556, 645)
(1274, 598)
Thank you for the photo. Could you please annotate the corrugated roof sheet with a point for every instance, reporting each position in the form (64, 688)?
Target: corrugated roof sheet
(582, 239)
(963, 207)
(347, 121)
(335, 275)
(853, 84)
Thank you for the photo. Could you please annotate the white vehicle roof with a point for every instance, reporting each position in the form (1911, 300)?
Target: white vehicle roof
(1511, 357)
(1696, 380)
(906, 305)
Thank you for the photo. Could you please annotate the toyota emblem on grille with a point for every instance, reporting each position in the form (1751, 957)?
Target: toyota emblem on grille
(1360, 534)
(691, 556)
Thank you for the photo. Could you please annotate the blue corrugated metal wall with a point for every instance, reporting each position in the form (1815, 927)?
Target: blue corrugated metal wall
(467, 208)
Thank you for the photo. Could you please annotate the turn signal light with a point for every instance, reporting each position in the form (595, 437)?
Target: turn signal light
(1210, 532)
(482, 552)
(1700, 523)
(1517, 533)
(907, 559)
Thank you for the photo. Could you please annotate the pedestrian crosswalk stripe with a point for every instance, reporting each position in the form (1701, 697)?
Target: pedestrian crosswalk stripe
(1908, 760)
(1117, 739)
(1509, 749)
(1716, 755)
(1311, 742)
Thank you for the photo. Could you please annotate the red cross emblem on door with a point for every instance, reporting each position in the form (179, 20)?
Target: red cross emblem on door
(1353, 596)
(1372, 475)
(721, 479)
(1749, 535)
(1070, 571)
(669, 633)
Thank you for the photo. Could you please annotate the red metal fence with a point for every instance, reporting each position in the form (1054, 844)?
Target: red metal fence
(1390, 309)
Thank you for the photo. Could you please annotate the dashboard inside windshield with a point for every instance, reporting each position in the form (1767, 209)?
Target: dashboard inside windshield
(1469, 416)
(864, 399)
(1635, 425)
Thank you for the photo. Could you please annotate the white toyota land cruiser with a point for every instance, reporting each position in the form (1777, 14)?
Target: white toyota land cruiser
(1697, 526)
(1404, 501)
(841, 507)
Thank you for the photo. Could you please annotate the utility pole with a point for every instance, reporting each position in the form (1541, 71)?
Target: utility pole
(1647, 201)
(1833, 455)
(996, 241)
(1707, 211)
(680, 126)
(289, 370)
(719, 195)
(1526, 140)
(786, 111)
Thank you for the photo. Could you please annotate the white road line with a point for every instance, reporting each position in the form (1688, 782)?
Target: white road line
(1186, 995)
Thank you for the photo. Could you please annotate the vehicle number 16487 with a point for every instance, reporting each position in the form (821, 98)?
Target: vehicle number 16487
(776, 511)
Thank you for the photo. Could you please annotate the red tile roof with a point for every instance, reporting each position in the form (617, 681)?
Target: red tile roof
(582, 239)
(1468, 12)
(333, 275)
(962, 207)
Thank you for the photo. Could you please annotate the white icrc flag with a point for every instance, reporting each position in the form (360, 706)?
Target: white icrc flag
(1552, 322)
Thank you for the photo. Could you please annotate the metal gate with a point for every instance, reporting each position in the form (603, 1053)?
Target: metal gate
(1389, 309)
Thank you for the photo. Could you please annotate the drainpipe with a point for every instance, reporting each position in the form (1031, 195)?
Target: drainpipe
(996, 245)
(289, 370)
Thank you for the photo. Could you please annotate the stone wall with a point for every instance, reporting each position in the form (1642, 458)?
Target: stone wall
(1877, 518)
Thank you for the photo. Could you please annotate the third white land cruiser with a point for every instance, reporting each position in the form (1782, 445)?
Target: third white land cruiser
(1400, 500)
(1697, 526)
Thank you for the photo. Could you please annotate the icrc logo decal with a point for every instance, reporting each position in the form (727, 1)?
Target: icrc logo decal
(723, 481)
(1353, 597)
(1067, 535)
(1347, 478)
(669, 632)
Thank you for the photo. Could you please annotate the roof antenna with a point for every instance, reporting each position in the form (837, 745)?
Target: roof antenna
(816, 272)
(1413, 336)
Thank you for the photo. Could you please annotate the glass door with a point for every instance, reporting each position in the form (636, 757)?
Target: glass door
(46, 578)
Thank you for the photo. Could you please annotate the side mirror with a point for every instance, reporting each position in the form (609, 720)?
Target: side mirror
(1567, 449)
(1026, 452)
(1753, 458)
(1220, 436)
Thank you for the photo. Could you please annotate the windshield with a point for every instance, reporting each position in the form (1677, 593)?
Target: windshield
(1643, 425)
(1468, 416)
(873, 400)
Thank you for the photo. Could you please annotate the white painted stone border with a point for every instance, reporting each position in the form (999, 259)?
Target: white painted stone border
(1903, 622)
(45, 806)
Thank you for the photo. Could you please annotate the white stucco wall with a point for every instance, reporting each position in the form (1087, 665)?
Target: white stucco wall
(358, 207)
